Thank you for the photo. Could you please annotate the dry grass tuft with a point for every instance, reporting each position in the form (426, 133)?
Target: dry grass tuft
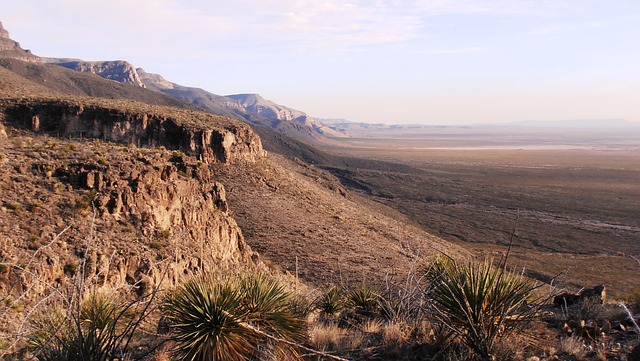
(395, 334)
(573, 346)
(326, 337)
(372, 326)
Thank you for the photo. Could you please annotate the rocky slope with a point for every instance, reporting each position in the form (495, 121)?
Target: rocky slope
(55, 79)
(249, 107)
(209, 138)
(118, 190)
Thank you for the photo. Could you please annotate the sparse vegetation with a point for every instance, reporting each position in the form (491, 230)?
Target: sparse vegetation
(100, 327)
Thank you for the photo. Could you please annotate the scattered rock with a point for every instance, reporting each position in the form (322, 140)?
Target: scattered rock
(598, 293)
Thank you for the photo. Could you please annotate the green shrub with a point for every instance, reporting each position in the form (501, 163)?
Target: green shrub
(481, 303)
(232, 320)
(363, 299)
(330, 302)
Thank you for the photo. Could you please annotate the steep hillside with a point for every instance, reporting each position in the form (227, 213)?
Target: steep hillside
(124, 188)
(70, 82)
(294, 212)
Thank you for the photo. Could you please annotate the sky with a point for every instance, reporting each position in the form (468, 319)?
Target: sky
(379, 61)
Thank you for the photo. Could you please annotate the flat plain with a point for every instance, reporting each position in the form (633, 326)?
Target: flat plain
(569, 201)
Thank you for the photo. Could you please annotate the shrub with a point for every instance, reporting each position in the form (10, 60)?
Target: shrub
(98, 328)
(633, 300)
(363, 299)
(233, 319)
(481, 303)
(330, 302)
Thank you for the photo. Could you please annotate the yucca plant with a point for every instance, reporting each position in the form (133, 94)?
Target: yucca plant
(330, 301)
(99, 328)
(232, 320)
(363, 299)
(480, 302)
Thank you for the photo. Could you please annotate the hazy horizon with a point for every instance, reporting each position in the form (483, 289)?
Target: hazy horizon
(444, 62)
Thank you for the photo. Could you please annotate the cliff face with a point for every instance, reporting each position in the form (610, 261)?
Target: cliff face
(226, 143)
(125, 216)
(11, 49)
(118, 70)
(123, 194)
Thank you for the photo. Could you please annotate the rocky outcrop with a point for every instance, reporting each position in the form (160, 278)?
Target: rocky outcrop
(3, 33)
(155, 82)
(126, 217)
(118, 70)
(11, 49)
(225, 142)
(597, 294)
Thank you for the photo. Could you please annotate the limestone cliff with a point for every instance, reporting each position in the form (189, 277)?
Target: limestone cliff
(132, 217)
(207, 137)
(118, 70)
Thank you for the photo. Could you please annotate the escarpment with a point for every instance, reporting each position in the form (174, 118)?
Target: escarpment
(117, 191)
(123, 216)
(207, 137)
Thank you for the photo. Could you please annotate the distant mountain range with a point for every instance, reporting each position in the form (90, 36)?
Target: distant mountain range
(251, 108)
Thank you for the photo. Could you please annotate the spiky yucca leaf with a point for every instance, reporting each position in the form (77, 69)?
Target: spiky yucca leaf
(267, 306)
(330, 302)
(481, 303)
(214, 320)
(96, 328)
(363, 298)
(205, 319)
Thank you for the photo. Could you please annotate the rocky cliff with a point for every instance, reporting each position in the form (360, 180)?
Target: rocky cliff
(119, 192)
(11, 49)
(207, 137)
(118, 70)
(125, 216)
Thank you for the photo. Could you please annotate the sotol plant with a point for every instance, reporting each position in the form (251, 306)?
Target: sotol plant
(480, 302)
(96, 328)
(234, 319)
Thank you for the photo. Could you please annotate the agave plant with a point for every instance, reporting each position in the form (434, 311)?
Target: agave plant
(363, 299)
(330, 302)
(480, 303)
(233, 319)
